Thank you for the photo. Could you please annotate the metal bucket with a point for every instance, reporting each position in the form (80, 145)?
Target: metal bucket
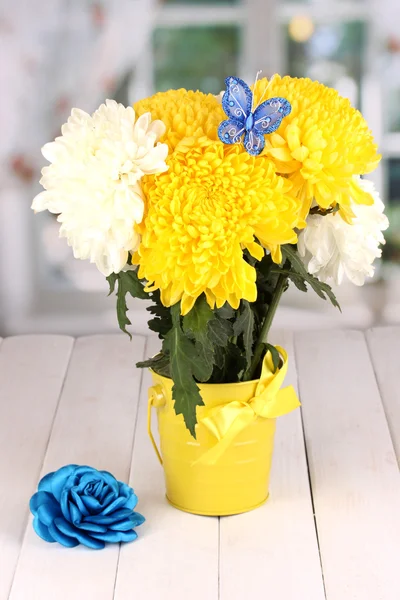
(238, 481)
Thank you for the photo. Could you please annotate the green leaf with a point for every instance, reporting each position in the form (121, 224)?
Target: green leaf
(112, 279)
(245, 325)
(197, 320)
(195, 325)
(187, 397)
(209, 330)
(160, 326)
(266, 283)
(219, 358)
(131, 283)
(226, 311)
(184, 359)
(323, 290)
(220, 330)
(158, 308)
(231, 364)
(236, 363)
(162, 321)
(205, 365)
(159, 363)
(122, 310)
(276, 359)
(202, 365)
(298, 281)
(265, 265)
(128, 283)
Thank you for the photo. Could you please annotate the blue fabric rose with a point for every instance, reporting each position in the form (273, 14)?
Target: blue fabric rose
(80, 505)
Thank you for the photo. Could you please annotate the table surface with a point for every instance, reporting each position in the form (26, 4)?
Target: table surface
(330, 530)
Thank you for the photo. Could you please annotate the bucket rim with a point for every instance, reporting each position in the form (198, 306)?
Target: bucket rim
(236, 384)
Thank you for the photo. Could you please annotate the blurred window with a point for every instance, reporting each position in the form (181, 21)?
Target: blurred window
(394, 108)
(393, 165)
(177, 52)
(331, 53)
(342, 44)
(391, 250)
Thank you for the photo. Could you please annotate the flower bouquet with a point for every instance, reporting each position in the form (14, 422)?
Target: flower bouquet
(210, 207)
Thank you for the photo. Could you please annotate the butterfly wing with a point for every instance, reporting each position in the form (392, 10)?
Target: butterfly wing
(231, 131)
(254, 142)
(268, 116)
(237, 99)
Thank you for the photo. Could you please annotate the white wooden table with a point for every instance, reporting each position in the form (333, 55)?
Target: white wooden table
(331, 528)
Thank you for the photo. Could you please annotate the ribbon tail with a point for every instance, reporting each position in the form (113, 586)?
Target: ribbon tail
(211, 456)
(281, 404)
(284, 402)
(288, 400)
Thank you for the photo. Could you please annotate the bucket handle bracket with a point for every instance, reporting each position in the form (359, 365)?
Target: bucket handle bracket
(156, 400)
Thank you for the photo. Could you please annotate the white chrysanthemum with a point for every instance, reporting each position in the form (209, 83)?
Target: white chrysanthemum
(331, 248)
(93, 183)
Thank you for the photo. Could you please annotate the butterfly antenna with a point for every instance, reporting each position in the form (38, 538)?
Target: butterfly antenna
(254, 89)
(265, 91)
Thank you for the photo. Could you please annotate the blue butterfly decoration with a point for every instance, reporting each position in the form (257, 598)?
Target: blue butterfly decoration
(237, 103)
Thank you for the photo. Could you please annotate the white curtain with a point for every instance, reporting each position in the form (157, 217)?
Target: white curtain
(54, 55)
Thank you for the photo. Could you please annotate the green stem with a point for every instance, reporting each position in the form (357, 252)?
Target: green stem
(266, 326)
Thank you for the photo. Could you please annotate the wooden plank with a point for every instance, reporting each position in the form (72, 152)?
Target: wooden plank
(177, 555)
(354, 475)
(272, 551)
(32, 371)
(94, 425)
(384, 347)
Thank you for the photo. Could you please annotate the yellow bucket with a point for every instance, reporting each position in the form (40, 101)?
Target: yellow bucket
(238, 481)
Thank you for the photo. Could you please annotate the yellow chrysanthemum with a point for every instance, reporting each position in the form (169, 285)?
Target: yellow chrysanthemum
(321, 146)
(210, 206)
(186, 114)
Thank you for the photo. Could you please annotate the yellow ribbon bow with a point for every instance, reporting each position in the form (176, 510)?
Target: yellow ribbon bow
(226, 421)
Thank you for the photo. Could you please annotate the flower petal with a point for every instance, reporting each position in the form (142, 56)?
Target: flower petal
(110, 497)
(110, 480)
(42, 531)
(117, 503)
(88, 478)
(158, 128)
(92, 504)
(85, 187)
(132, 501)
(104, 493)
(45, 483)
(124, 525)
(124, 489)
(61, 538)
(38, 499)
(331, 247)
(98, 488)
(118, 515)
(116, 536)
(59, 479)
(74, 532)
(46, 513)
(78, 501)
(137, 519)
(92, 527)
(76, 515)
(64, 503)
